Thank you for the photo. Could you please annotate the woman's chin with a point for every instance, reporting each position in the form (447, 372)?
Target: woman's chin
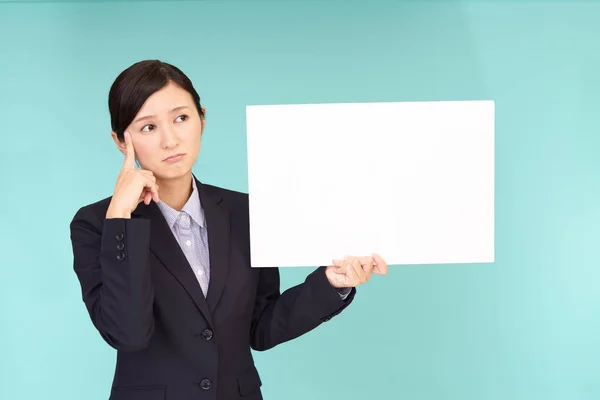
(170, 173)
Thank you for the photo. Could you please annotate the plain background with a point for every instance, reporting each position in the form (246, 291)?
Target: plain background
(525, 327)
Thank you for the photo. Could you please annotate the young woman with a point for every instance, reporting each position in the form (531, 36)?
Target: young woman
(164, 263)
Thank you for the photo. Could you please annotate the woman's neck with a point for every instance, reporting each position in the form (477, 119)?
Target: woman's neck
(175, 192)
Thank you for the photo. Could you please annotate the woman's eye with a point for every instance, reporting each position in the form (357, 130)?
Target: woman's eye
(181, 118)
(148, 128)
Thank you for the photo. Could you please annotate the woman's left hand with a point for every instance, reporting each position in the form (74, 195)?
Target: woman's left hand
(354, 271)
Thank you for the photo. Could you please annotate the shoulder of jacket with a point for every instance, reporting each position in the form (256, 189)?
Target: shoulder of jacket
(229, 195)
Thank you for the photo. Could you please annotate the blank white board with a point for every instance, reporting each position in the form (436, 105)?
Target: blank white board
(412, 181)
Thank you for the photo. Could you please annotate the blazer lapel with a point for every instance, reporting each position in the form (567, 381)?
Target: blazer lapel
(217, 223)
(165, 247)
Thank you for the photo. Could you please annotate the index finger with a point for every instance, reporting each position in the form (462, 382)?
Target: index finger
(129, 152)
(363, 261)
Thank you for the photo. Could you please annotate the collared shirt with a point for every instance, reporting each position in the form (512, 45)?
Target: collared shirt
(189, 228)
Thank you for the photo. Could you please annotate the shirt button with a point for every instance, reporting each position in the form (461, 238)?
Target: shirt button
(188, 243)
(200, 272)
(183, 217)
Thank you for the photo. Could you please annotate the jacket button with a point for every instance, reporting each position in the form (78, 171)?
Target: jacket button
(121, 256)
(207, 334)
(120, 236)
(120, 246)
(205, 384)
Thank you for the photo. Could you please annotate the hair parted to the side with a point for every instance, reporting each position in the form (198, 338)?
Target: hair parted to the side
(134, 85)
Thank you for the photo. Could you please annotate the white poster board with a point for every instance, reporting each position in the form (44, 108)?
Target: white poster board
(412, 181)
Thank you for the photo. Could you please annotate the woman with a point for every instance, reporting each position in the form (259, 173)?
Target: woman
(164, 263)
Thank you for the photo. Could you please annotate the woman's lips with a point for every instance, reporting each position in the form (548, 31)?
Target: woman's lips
(174, 158)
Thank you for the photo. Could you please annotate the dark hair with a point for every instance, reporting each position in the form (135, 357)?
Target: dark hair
(133, 86)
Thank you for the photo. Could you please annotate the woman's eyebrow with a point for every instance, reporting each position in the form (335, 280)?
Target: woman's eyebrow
(151, 116)
(179, 108)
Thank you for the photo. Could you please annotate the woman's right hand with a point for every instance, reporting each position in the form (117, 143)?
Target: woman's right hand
(133, 186)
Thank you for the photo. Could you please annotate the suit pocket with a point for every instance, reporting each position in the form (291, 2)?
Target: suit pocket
(138, 393)
(249, 381)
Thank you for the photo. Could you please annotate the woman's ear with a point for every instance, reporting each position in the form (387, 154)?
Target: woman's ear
(203, 118)
(120, 145)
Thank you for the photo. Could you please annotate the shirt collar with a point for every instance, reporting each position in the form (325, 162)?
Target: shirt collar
(192, 207)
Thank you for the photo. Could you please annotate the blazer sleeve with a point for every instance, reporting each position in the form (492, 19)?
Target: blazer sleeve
(111, 260)
(280, 317)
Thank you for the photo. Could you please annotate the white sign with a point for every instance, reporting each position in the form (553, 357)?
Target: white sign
(412, 181)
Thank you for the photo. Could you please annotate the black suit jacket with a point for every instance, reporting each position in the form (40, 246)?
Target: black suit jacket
(172, 342)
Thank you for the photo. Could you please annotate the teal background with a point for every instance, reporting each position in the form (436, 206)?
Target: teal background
(525, 327)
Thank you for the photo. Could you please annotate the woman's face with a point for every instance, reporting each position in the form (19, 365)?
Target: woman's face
(166, 133)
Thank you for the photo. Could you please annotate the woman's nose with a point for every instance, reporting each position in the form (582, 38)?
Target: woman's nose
(168, 137)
